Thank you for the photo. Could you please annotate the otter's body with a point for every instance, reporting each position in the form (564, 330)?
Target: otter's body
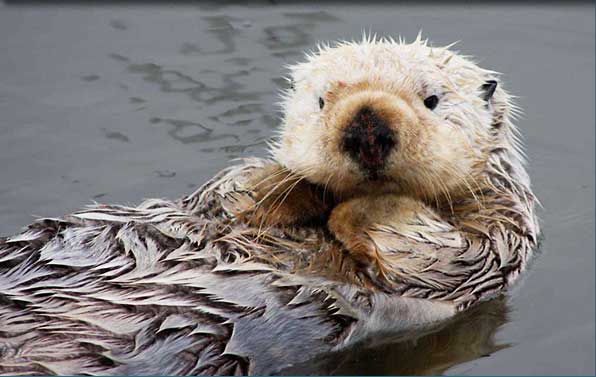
(396, 198)
(172, 288)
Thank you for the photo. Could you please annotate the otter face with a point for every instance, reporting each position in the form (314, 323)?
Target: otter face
(382, 115)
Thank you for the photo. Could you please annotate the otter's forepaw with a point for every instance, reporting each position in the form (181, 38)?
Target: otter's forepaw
(371, 228)
(361, 247)
(273, 196)
(348, 227)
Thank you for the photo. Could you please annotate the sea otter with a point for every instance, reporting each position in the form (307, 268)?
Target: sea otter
(416, 146)
(395, 197)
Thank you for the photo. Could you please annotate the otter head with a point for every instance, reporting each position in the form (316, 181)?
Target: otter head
(389, 116)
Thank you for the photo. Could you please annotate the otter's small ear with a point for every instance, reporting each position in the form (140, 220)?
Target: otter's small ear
(488, 89)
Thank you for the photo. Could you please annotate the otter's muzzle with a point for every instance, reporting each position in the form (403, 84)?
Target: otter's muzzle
(368, 140)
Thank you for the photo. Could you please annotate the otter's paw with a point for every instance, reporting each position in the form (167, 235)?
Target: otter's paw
(369, 227)
(349, 223)
(274, 196)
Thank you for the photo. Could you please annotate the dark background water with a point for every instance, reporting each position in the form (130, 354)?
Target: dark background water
(119, 103)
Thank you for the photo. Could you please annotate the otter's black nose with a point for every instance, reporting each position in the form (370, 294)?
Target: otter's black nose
(369, 140)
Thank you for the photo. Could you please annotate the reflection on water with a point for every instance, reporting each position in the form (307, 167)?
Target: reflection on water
(168, 80)
(231, 92)
(242, 107)
(118, 24)
(115, 135)
(467, 337)
(279, 37)
(90, 77)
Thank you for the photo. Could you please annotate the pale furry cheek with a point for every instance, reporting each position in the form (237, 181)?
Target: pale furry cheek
(301, 148)
(444, 158)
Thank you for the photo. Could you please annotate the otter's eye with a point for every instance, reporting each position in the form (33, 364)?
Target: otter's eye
(431, 102)
(321, 103)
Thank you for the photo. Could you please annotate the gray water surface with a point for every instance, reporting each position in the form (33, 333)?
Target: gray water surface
(120, 103)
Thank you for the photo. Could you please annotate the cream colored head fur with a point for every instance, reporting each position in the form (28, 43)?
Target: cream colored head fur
(440, 151)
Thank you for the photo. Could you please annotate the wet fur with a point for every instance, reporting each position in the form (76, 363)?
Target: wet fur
(185, 288)
(269, 264)
(455, 174)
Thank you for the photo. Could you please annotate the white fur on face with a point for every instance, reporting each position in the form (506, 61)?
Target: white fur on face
(450, 140)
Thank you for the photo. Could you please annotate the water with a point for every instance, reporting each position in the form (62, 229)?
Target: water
(120, 103)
